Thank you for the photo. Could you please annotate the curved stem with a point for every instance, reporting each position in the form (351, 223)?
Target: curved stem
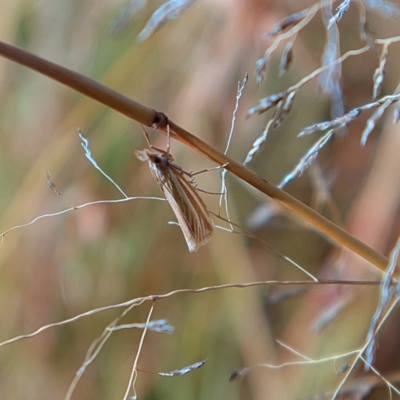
(149, 117)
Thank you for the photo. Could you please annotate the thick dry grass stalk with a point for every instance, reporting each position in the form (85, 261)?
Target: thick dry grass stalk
(152, 118)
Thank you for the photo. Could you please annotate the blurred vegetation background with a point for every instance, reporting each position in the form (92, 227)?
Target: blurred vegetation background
(106, 254)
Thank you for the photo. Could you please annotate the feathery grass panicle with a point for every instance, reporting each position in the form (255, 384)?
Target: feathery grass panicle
(258, 143)
(340, 11)
(296, 22)
(287, 58)
(379, 73)
(307, 160)
(184, 370)
(287, 23)
(387, 292)
(167, 12)
(338, 123)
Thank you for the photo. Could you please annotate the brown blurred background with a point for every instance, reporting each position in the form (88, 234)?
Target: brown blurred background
(106, 254)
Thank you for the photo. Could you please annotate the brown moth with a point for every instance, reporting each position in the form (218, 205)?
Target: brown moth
(181, 195)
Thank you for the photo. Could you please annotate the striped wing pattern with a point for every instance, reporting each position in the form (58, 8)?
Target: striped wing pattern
(189, 209)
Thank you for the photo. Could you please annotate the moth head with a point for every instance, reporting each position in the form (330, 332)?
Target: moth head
(158, 158)
(142, 155)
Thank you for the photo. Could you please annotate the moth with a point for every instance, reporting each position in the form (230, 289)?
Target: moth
(181, 195)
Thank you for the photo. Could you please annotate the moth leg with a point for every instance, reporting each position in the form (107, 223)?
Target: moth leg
(194, 184)
(191, 174)
(205, 191)
(146, 136)
(161, 123)
(168, 140)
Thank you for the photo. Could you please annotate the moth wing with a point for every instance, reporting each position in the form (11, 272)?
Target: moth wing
(189, 209)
